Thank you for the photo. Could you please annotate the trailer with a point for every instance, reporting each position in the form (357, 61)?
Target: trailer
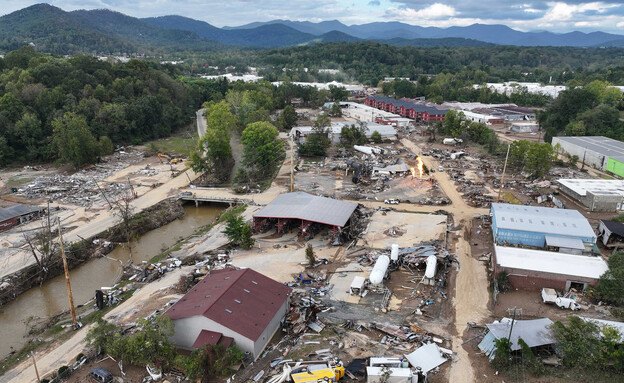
(549, 295)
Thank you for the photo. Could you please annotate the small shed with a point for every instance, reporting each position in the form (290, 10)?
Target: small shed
(612, 233)
(534, 333)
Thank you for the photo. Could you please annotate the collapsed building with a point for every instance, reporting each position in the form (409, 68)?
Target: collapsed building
(18, 214)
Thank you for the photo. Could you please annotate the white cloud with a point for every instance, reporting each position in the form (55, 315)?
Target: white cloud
(434, 11)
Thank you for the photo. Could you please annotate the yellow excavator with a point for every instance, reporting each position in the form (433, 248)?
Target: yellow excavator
(169, 159)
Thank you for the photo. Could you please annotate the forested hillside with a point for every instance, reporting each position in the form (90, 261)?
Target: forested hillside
(75, 109)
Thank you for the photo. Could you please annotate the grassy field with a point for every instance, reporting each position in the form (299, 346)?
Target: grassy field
(180, 144)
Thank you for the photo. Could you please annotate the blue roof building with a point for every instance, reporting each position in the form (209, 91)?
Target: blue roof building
(539, 226)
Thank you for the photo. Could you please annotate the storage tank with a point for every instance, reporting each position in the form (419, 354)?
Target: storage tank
(394, 252)
(432, 262)
(379, 270)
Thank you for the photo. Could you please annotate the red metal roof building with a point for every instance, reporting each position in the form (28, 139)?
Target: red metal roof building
(240, 304)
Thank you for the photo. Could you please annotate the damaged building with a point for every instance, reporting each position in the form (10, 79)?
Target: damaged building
(304, 210)
(18, 214)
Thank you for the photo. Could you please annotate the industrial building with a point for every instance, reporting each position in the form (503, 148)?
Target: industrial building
(599, 152)
(483, 118)
(387, 132)
(540, 226)
(18, 214)
(595, 194)
(304, 207)
(536, 269)
(230, 306)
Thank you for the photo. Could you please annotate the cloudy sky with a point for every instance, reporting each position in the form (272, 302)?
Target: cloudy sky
(525, 15)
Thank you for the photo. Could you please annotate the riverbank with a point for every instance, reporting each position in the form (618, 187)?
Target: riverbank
(77, 253)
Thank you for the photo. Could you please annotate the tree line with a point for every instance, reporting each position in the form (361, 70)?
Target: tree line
(75, 109)
(590, 110)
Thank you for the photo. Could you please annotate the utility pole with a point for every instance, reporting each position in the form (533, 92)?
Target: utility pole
(500, 189)
(69, 292)
(103, 195)
(35, 364)
(292, 166)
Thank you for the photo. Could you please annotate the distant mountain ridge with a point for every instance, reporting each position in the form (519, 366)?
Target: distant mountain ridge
(105, 31)
(494, 34)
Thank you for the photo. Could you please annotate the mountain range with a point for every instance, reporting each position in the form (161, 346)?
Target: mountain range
(105, 31)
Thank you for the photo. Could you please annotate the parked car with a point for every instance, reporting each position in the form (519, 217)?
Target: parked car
(392, 201)
(101, 375)
(440, 168)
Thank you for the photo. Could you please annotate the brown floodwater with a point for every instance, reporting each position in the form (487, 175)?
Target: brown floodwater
(50, 299)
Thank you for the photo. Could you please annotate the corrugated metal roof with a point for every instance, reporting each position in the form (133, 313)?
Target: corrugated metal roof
(426, 357)
(211, 337)
(608, 147)
(547, 220)
(595, 186)
(244, 301)
(601, 323)
(17, 211)
(614, 227)
(534, 332)
(567, 242)
(299, 205)
(550, 262)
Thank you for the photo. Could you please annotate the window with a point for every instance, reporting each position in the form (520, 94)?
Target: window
(228, 311)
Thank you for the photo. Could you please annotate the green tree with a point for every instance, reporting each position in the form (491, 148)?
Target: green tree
(238, 232)
(376, 137)
(611, 284)
(338, 93)
(336, 110)
(578, 342)
(263, 150)
(317, 142)
(219, 116)
(73, 139)
(288, 117)
(353, 135)
(106, 146)
(576, 128)
(502, 355)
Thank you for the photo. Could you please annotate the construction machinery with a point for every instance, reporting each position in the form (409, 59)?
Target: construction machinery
(169, 159)
(317, 371)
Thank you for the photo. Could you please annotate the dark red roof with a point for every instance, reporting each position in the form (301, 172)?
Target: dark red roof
(210, 337)
(242, 300)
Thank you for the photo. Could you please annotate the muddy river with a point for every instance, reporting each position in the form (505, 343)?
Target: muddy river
(51, 298)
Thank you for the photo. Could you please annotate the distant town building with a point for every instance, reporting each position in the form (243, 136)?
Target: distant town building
(408, 108)
(387, 132)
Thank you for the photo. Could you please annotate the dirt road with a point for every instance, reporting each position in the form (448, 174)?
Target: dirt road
(471, 285)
